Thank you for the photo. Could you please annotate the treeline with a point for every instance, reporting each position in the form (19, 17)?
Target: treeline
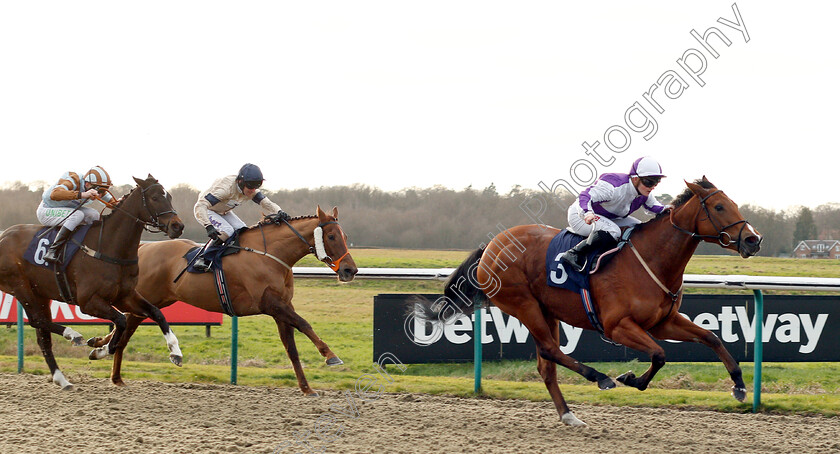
(438, 217)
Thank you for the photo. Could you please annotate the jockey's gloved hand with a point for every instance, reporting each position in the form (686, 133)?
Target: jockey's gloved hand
(283, 215)
(212, 232)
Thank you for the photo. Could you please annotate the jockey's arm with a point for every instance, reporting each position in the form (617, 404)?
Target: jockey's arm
(267, 205)
(61, 192)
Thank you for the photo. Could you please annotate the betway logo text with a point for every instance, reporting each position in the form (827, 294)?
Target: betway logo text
(730, 324)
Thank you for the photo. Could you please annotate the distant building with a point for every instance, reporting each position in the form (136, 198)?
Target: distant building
(817, 249)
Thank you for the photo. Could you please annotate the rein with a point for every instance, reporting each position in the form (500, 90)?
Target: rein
(155, 217)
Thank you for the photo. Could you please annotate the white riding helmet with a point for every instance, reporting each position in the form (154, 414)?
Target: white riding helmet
(646, 167)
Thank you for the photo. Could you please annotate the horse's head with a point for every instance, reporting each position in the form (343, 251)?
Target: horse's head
(158, 210)
(330, 241)
(718, 220)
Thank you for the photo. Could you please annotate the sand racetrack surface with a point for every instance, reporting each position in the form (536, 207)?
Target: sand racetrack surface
(196, 418)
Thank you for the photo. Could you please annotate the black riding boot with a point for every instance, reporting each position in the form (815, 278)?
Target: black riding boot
(200, 262)
(52, 255)
(576, 256)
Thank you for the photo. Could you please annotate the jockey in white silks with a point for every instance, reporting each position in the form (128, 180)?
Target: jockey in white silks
(62, 203)
(214, 208)
(601, 210)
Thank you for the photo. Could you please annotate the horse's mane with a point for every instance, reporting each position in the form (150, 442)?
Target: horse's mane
(267, 221)
(680, 200)
(119, 203)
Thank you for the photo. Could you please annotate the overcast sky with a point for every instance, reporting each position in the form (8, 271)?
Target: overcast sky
(398, 94)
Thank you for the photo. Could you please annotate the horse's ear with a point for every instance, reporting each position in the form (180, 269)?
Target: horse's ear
(698, 190)
(335, 212)
(138, 181)
(707, 182)
(321, 215)
(150, 177)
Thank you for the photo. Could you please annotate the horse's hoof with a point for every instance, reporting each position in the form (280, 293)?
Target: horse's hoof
(606, 383)
(77, 341)
(334, 361)
(627, 378)
(176, 359)
(312, 394)
(68, 387)
(92, 341)
(98, 353)
(739, 393)
(570, 419)
(119, 383)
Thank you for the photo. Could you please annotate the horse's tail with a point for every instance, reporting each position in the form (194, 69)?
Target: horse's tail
(460, 294)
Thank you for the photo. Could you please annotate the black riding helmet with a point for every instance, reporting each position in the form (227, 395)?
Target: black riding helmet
(249, 175)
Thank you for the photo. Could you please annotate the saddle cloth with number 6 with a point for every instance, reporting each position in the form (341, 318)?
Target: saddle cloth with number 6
(37, 248)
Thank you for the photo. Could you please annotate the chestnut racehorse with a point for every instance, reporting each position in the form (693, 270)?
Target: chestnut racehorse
(259, 279)
(637, 294)
(103, 277)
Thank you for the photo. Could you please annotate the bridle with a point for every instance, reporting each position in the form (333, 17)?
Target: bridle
(722, 237)
(319, 250)
(154, 216)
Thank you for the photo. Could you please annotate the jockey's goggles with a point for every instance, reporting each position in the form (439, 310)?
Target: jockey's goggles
(650, 182)
(252, 184)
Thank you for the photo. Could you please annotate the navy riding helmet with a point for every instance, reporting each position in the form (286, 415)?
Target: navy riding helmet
(249, 175)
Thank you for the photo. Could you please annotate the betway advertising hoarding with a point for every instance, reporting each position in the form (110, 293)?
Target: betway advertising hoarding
(68, 314)
(795, 328)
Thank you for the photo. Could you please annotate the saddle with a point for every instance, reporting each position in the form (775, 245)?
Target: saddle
(213, 255)
(560, 274)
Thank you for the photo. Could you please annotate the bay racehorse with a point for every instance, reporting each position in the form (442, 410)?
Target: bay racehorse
(100, 277)
(259, 279)
(637, 294)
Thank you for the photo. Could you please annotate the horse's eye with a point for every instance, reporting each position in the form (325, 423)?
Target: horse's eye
(718, 207)
(331, 236)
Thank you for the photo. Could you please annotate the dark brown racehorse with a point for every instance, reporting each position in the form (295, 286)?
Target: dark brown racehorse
(99, 281)
(633, 303)
(259, 279)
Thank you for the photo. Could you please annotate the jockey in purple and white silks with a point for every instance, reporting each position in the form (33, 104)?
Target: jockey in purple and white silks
(62, 203)
(214, 208)
(601, 210)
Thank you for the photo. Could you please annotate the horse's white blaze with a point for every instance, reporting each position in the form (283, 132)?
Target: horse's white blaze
(570, 419)
(172, 343)
(58, 379)
(320, 252)
(749, 226)
(72, 335)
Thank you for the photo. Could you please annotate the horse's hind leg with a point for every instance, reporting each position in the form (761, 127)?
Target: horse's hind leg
(131, 323)
(38, 311)
(681, 329)
(546, 333)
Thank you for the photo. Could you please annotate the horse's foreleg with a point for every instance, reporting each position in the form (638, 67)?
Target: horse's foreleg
(97, 342)
(629, 334)
(273, 304)
(141, 307)
(99, 308)
(131, 324)
(681, 329)
(287, 335)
